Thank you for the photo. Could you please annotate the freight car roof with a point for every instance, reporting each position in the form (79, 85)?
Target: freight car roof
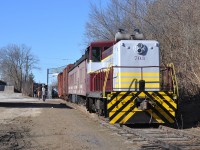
(83, 57)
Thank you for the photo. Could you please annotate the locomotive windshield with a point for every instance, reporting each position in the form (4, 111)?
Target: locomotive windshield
(96, 54)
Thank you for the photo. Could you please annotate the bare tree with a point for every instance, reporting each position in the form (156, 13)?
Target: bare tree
(174, 23)
(105, 22)
(177, 29)
(16, 63)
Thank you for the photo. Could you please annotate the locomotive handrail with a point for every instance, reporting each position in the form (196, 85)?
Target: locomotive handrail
(134, 80)
(101, 76)
(174, 80)
(137, 66)
(142, 75)
(106, 79)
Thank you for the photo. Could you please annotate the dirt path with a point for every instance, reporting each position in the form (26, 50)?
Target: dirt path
(51, 125)
(31, 124)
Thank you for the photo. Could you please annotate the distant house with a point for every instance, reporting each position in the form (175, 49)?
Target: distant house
(2, 85)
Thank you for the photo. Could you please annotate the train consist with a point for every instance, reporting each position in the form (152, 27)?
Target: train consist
(123, 80)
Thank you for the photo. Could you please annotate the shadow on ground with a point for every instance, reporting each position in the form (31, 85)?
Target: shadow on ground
(33, 105)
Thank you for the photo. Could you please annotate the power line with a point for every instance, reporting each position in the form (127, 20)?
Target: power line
(58, 58)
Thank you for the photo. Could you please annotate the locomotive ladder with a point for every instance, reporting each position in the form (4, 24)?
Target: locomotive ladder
(174, 80)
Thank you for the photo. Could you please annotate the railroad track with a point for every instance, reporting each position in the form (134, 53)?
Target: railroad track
(162, 138)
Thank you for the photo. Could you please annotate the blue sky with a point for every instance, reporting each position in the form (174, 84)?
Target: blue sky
(54, 29)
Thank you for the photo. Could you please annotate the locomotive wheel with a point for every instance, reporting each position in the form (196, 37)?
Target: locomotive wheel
(89, 104)
(100, 112)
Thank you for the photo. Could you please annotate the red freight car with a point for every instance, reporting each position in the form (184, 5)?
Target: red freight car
(60, 84)
(65, 81)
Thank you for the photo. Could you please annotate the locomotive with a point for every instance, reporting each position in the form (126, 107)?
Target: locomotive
(123, 81)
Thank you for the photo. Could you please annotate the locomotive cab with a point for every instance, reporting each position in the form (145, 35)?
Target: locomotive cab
(94, 63)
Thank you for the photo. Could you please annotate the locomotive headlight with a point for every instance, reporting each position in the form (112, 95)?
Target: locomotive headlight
(141, 49)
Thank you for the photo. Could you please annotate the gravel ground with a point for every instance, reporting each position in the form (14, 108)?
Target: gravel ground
(27, 123)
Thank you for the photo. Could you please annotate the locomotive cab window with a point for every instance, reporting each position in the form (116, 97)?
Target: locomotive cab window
(96, 54)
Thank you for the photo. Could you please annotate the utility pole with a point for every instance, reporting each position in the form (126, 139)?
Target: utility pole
(21, 79)
(48, 83)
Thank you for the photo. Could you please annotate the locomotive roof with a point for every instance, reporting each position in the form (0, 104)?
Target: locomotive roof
(99, 43)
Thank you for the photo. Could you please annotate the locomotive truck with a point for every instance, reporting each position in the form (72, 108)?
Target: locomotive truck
(123, 80)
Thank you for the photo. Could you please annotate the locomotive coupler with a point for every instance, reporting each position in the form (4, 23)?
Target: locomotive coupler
(142, 104)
